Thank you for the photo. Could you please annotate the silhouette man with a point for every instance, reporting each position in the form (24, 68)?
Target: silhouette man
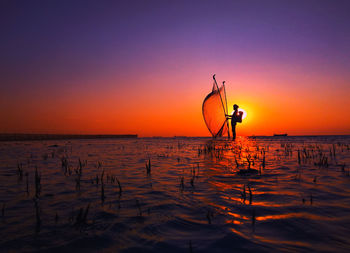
(235, 117)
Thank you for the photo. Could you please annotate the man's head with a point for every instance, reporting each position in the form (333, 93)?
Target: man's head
(235, 107)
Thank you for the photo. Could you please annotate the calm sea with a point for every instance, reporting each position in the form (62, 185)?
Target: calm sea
(262, 194)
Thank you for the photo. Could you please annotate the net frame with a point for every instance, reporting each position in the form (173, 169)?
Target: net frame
(214, 111)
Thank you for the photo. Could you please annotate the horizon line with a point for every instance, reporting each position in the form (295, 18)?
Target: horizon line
(44, 136)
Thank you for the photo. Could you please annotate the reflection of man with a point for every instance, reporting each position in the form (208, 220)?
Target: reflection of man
(235, 117)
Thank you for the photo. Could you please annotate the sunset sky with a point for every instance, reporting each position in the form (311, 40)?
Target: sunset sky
(144, 67)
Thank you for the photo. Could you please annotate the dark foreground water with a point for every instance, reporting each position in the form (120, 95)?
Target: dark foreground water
(263, 194)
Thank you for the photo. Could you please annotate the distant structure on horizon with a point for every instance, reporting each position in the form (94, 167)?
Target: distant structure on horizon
(280, 134)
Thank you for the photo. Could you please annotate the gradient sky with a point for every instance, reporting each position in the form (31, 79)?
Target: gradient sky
(144, 67)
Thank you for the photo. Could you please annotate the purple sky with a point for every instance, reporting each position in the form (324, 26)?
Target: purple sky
(53, 49)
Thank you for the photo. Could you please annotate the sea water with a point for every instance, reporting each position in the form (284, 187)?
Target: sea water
(258, 194)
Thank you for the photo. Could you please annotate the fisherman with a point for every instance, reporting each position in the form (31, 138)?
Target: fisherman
(235, 117)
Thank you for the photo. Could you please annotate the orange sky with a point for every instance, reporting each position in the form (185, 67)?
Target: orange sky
(158, 106)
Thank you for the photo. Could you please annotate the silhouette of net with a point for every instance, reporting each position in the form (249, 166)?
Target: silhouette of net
(214, 113)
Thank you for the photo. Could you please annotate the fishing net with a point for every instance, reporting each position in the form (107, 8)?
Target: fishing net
(214, 112)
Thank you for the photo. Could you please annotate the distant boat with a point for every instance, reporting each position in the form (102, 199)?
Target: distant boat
(280, 134)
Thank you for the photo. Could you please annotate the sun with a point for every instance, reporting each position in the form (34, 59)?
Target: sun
(241, 110)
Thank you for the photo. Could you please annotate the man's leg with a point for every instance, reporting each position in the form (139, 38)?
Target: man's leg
(233, 132)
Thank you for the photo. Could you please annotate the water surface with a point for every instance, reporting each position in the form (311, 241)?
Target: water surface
(199, 195)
